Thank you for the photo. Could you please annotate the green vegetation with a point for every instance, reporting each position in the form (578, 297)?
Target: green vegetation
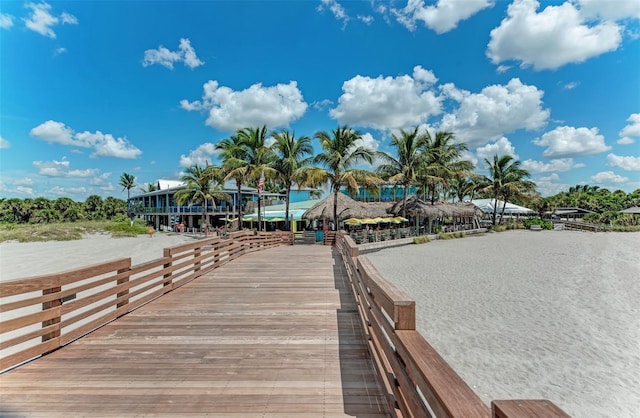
(537, 221)
(421, 240)
(451, 235)
(68, 231)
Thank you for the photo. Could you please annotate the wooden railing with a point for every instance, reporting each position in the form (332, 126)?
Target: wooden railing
(417, 380)
(41, 314)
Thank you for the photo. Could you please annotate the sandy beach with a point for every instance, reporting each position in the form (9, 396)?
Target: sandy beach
(523, 314)
(20, 260)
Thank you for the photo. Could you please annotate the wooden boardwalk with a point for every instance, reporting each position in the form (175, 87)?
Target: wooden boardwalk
(272, 334)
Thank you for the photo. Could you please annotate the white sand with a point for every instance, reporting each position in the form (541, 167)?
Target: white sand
(20, 260)
(524, 314)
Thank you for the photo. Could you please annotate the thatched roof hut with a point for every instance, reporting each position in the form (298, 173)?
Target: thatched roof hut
(416, 206)
(347, 208)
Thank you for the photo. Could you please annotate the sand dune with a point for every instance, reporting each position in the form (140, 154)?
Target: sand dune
(522, 314)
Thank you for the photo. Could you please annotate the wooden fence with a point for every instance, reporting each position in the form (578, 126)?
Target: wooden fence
(417, 380)
(41, 314)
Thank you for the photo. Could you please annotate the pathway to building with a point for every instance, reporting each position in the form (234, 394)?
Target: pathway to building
(272, 334)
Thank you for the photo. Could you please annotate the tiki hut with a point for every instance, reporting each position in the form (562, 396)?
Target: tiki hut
(347, 208)
(461, 213)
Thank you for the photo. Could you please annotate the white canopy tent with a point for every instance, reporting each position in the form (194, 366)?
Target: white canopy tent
(487, 205)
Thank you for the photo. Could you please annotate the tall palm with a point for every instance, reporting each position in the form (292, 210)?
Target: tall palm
(290, 162)
(506, 178)
(199, 188)
(234, 166)
(443, 161)
(410, 147)
(128, 182)
(149, 187)
(340, 153)
(258, 156)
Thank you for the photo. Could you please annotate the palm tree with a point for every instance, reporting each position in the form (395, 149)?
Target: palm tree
(258, 156)
(505, 179)
(290, 162)
(149, 187)
(234, 166)
(403, 170)
(199, 188)
(128, 182)
(340, 154)
(443, 161)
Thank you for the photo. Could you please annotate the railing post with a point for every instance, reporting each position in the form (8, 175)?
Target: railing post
(167, 276)
(48, 305)
(196, 253)
(125, 300)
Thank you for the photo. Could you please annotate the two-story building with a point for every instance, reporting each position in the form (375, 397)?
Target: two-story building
(160, 209)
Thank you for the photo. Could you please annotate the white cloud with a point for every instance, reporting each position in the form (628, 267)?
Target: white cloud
(205, 153)
(557, 165)
(336, 9)
(6, 21)
(104, 145)
(572, 85)
(626, 141)
(567, 141)
(633, 129)
(229, 110)
(501, 147)
(389, 102)
(167, 58)
(502, 69)
(610, 10)
(61, 169)
(322, 104)
(59, 51)
(4, 143)
(495, 111)
(367, 20)
(547, 186)
(25, 181)
(66, 191)
(608, 177)
(41, 20)
(28, 191)
(550, 39)
(627, 163)
(441, 17)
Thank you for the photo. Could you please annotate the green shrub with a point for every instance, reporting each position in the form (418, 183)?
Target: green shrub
(421, 240)
(544, 224)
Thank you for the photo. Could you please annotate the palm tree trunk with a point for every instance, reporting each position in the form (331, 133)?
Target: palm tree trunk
(335, 207)
(239, 202)
(495, 209)
(404, 201)
(259, 213)
(286, 208)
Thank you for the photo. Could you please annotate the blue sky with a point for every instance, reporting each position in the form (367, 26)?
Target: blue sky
(90, 90)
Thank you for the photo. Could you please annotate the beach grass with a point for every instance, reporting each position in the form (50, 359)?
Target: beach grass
(68, 231)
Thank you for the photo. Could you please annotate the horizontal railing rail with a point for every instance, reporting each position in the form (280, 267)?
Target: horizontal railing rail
(417, 380)
(43, 313)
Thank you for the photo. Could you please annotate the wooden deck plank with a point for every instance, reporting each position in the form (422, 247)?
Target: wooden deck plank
(274, 333)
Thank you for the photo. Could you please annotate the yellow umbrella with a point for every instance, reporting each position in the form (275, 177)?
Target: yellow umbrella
(275, 220)
(401, 219)
(353, 221)
(368, 221)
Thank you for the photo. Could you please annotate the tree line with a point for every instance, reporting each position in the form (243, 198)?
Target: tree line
(62, 209)
(432, 163)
